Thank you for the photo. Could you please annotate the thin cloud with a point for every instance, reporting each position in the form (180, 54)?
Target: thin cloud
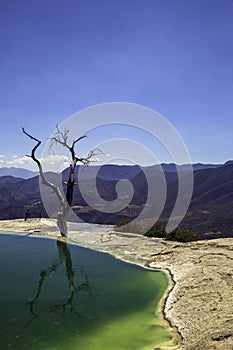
(54, 163)
(51, 163)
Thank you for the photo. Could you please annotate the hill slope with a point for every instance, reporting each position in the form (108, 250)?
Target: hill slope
(17, 172)
(211, 208)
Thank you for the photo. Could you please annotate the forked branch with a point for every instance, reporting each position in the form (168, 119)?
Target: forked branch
(61, 137)
(61, 216)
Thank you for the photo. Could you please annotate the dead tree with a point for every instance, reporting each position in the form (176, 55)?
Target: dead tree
(61, 137)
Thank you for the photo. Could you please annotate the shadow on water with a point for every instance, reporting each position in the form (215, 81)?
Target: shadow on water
(56, 296)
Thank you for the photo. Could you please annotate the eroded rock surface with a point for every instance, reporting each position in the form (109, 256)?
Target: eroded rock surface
(201, 302)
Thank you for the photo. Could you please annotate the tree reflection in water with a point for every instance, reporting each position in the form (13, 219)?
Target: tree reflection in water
(64, 259)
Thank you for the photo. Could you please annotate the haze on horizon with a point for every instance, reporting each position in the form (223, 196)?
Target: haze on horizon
(58, 57)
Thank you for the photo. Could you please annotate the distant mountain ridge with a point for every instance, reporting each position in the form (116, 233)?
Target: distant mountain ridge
(109, 171)
(17, 172)
(211, 208)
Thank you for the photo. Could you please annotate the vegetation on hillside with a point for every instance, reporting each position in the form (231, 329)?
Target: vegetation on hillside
(158, 231)
(176, 235)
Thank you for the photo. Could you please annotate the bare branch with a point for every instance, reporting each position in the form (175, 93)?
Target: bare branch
(60, 137)
(75, 141)
(34, 149)
(63, 206)
(91, 157)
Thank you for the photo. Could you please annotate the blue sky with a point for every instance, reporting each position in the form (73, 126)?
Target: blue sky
(174, 56)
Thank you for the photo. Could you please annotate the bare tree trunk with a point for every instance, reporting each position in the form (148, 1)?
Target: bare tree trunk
(61, 216)
(70, 184)
(61, 137)
(62, 224)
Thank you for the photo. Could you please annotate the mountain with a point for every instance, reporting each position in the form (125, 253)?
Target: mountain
(107, 172)
(17, 194)
(211, 207)
(210, 210)
(17, 172)
(112, 172)
(197, 166)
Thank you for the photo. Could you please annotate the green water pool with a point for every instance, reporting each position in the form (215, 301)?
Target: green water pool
(56, 296)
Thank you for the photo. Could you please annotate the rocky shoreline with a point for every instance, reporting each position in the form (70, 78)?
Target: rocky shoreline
(199, 304)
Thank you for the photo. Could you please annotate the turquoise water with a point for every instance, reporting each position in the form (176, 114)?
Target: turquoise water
(56, 296)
